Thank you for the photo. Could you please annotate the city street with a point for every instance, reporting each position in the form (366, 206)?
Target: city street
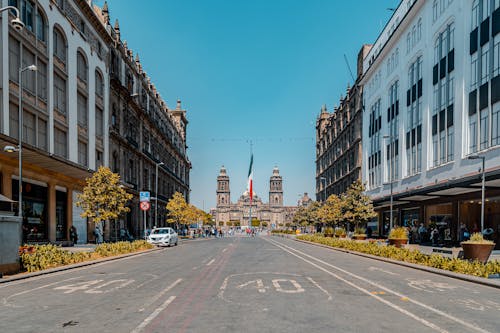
(247, 284)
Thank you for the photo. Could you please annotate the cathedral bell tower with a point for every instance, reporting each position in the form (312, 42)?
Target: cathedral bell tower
(276, 189)
(223, 192)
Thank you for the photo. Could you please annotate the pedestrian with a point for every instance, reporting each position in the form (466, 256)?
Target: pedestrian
(73, 235)
(422, 233)
(98, 235)
(368, 232)
(464, 233)
(435, 236)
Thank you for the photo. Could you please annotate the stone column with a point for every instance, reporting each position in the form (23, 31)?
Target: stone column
(51, 216)
(7, 182)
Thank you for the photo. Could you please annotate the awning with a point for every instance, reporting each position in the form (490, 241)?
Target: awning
(3, 198)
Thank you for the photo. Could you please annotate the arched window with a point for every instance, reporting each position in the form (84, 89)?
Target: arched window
(40, 26)
(59, 45)
(81, 66)
(99, 84)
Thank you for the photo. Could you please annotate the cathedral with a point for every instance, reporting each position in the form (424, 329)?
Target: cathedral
(272, 214)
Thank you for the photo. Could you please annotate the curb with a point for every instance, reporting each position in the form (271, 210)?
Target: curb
(459, 276)
(23, 276)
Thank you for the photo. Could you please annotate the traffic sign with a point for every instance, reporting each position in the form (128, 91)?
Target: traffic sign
(144, 196)
(145, 205)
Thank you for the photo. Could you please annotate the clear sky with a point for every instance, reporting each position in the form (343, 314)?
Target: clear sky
(254, 71)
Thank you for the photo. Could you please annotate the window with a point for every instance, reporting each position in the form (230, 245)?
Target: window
(42, 80)
(40, 26)
(60, 143)
(99, 122)
(434, 11)
(59, 45)
(81, 64)
(495, 126)
(28, 78)
(29, 128)
(98, 159)
(475, 14)
(42, 134)
(59, 94)
(414, 119)
(14, 57)
(82, 110)
(82, 153)
(99, 85)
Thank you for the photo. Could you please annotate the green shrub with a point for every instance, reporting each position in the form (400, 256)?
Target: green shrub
(359, 231)
(340, 232)
(48, 256)
(477, 238)
(398, 233)
(475, 268)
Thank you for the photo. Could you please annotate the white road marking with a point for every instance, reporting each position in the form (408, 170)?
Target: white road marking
(210, 262)
(427, 307)
(277, 286)
(154, 277)
(258, 284)
(429, 285)
(381, 270)
(156, 297)
(320, 288)
(98, 289)
(224, 250)
(5, 300)
(153, 315)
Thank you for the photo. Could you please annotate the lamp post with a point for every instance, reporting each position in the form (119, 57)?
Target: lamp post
(156, 194)
(19, 148)
(16, 22)
(324, 187)
(476, 157)
(390, 137)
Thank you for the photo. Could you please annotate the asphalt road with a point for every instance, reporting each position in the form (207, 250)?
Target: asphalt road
(241, 284)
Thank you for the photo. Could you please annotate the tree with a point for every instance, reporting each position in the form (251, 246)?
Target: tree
(179, 211)
(358, 207)
(313, 213)
(331, 211)
(301, 216)
(103, 197)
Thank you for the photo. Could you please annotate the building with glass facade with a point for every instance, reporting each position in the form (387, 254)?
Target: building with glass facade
(431, 100)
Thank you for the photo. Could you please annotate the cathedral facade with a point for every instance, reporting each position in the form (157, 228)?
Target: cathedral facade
(272, 214)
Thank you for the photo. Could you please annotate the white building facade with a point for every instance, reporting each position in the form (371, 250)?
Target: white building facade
(432, 99)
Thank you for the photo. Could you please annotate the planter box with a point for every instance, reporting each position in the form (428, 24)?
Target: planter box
(480, 252)
(398, 242)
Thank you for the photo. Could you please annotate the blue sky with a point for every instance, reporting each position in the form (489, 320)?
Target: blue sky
(254, 71)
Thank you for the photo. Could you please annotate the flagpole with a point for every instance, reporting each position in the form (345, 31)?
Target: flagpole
(250, 186)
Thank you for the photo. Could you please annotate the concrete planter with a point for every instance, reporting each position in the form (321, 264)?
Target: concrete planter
(398, 242)
(477, 251)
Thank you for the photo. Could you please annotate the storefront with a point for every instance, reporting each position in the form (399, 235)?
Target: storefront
(35, 222)
(470, 216)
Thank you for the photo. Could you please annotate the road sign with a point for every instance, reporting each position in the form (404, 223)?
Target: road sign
(145, 205)
(144, 196)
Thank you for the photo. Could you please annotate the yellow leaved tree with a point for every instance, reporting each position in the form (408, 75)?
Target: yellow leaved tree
(103, 198)
(179, 211)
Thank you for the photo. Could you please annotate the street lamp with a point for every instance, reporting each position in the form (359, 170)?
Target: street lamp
(156, 194)
(11, 149)
(16, 22)
(476, 157)
(390, 137)
(324, 187)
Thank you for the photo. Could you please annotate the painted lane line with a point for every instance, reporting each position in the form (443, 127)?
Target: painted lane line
(153, 315)
(320, 288)
(380, 299)
(381, 270)
(210, 262)
(425, 306)
(224, 250)
(163, 292)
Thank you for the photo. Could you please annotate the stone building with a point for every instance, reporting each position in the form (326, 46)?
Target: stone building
(338, 141)
(272, 214)
(77, 108)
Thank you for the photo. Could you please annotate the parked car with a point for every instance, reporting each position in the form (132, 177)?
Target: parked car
(163, 237)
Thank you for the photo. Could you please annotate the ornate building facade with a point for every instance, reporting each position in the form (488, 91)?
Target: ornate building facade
(272, 214)
(338, 141)
(88, 104)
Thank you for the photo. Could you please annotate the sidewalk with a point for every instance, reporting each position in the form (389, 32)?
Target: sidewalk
(80, 248)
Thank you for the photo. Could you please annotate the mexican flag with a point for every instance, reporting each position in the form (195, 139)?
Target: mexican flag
(250, 180)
